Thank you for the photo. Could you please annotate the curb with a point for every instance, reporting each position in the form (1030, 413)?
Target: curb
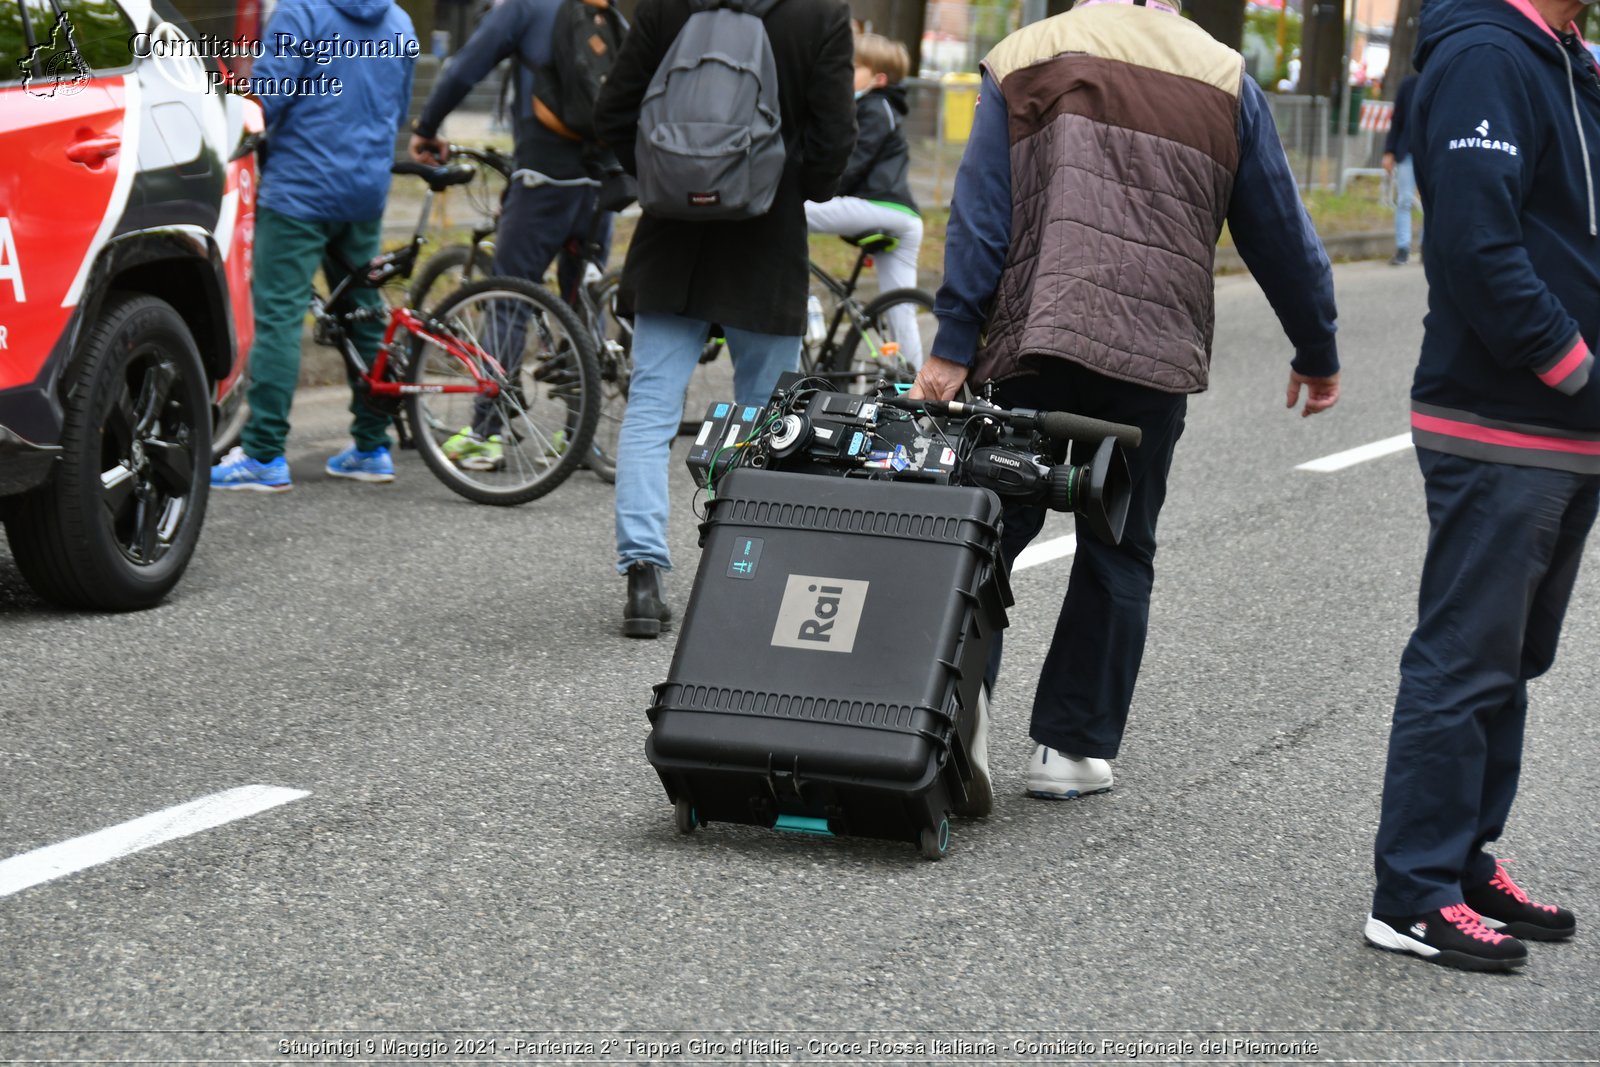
(1345, 248)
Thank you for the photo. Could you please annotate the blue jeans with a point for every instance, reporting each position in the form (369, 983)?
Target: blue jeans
(1504, 544)
(666, 350)
(1405, 194)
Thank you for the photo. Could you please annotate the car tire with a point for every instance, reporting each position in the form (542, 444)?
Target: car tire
(117, 525)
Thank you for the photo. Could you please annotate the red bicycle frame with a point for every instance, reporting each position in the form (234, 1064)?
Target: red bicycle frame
(403, 318)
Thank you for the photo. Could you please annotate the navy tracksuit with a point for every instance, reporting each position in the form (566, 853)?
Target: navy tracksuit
(1504, 545)
(1506, 418)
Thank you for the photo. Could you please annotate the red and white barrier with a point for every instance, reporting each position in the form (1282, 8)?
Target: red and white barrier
(1376, 115)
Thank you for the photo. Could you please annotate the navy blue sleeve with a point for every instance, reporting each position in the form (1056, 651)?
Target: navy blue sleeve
(1275, 237)
(497, 36)
(1476, 136)
(978, 237)
(1397, 118)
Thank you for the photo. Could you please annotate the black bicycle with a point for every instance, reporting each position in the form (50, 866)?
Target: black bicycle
(456, 264)
(855, 344)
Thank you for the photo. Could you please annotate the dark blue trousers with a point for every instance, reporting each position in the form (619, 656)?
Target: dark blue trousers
(1086, 684)
(1504, 544)
(536, 224)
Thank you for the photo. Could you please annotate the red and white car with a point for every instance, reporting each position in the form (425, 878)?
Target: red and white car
(127, 214)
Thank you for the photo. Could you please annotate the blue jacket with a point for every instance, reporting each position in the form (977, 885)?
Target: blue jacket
(1269, 224)
(329, 146)
(1506, 128)
(520, 28)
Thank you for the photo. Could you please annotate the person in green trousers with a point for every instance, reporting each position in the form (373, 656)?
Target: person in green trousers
(330, 142)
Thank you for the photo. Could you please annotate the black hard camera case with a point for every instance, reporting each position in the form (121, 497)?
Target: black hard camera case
(831, 657)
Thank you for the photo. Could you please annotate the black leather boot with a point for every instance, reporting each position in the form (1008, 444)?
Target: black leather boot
(646, 615)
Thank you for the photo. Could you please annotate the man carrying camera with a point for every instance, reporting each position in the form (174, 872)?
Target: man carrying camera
(1109, 146)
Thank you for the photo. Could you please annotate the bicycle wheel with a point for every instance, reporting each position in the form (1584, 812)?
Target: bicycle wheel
(892, 331)
(616, 370)
(520, 444)
(448, 270)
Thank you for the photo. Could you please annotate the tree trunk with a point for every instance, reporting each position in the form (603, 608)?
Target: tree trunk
(898, 20)
(1322, 49)
(1400, 49)
(1222, 19)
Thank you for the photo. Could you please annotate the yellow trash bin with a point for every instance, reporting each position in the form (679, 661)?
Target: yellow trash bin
(960, 93)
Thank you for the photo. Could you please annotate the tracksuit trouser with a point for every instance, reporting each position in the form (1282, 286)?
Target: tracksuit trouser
(1504, 544)
(285, 260)
(1086, 683)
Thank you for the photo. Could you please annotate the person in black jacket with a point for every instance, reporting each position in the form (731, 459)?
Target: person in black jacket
(1505, 415)
(875, 192)
(1397, 162)
(750, 275)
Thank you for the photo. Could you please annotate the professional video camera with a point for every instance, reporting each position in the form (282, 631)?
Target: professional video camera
(1019, 454)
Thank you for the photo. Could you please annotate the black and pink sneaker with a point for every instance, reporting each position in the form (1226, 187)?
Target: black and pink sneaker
(1505, 907)
(1454, 936)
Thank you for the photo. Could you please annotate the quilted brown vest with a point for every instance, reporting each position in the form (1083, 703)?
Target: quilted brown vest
(1124, 144)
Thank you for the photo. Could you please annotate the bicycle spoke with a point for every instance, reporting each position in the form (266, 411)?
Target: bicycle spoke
(546, 404)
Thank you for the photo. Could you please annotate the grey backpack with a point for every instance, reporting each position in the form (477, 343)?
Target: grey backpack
(709, 145)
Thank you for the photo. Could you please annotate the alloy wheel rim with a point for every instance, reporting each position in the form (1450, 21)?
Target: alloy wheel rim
(147, 453)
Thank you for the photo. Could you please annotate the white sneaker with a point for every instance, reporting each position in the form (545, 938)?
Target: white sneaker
(980, 791)
(1054, 775)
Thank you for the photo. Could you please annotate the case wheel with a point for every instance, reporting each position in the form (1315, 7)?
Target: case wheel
(684, 813)
(935, 840)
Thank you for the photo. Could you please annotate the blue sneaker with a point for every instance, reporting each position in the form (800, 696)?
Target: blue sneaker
(238, 471)
(374, 466)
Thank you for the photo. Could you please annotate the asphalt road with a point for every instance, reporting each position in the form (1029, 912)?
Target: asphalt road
(485, 855)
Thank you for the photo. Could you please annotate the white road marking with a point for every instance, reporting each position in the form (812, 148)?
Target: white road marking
(1350, 457)
(1042, 552)
(124, 839)
(1045, 552)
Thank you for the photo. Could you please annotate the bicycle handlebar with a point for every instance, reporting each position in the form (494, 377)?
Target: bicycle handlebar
(533, 179)
(488, 156)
